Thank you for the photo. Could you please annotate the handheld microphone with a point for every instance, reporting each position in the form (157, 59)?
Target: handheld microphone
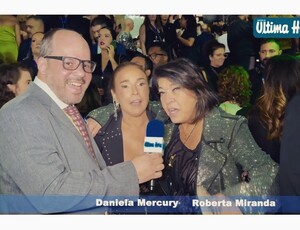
(154, 140)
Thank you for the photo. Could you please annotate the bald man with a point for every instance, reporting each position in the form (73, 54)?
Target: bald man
(45, 156)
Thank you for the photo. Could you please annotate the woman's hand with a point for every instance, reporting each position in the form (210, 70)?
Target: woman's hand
(179, 32)
(111, 52)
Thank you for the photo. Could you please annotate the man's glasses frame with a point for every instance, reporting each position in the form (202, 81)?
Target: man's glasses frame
(154, 55)
(72, 63)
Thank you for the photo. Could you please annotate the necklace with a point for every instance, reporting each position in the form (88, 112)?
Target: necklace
(173, 156)
(190, 134)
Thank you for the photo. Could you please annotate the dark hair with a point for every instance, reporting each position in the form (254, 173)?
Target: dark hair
(112, 31)
(216, 30)
(148, 62)
(191, 22)
(213, 45)
(268, 40)
(10, 74)
(103, 21)
(121, 66)
(147, 22)
(225, 28)
(282, 82)
(232, 19)
(182, 71)
(163, 47)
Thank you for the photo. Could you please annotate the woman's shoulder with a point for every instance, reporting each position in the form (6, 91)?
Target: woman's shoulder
(222, 120)
(156, 108)
(220, 124)
(219, 113)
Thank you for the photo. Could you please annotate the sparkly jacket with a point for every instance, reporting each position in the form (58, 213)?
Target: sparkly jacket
(228, 143)
(228, 149)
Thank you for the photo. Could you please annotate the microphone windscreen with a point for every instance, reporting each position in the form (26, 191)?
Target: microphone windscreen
(155, 128)
(154, 141)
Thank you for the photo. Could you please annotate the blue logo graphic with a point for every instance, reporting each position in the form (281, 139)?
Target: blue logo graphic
(154, 145)
(276, 27)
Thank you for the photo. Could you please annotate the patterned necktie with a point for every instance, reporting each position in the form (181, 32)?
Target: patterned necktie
(74, 114)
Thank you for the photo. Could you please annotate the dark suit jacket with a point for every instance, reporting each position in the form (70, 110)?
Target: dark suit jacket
(290, 159)
(290, 150)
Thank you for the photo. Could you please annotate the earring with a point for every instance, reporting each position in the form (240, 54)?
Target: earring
(116, 107)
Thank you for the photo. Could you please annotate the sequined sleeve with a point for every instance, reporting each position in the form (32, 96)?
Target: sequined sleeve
(263, 171)
(102, 114)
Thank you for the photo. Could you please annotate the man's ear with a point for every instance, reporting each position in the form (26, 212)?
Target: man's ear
(148, 72)
(12, 88)
(42, 65)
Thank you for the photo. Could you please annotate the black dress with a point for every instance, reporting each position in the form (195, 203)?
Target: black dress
(153, 35)
(101, 78)
(180, 172)
(259, 133)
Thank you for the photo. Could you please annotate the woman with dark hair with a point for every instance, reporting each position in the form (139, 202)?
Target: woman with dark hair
(14, 80)
(107, 61)
(96, 24)
(151, 31)
(208, 148)
(281, 83)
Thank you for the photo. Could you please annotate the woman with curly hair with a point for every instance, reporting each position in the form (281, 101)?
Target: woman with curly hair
(282, 82)
(14, 80)
(234, 90)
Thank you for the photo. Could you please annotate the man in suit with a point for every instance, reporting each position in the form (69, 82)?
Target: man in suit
(42, 152)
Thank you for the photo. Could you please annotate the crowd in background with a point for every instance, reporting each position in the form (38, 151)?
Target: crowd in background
(211, 42)
(254, 78)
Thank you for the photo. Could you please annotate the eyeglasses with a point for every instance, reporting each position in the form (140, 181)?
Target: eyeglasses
(153, 56)
(72, 63)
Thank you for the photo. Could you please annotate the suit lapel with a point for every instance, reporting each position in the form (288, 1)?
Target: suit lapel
(59, 115)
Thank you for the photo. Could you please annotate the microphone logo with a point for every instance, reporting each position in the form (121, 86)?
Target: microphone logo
(154, 140)
(153, 144)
